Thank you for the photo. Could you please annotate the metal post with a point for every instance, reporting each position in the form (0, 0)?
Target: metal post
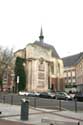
(11, 99)
(4, 99)
(75, 105)
(59, 105)
(78, 123)
(35, 102)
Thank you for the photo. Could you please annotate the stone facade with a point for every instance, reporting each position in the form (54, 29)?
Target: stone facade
(44, 68)
(44, 71)
(20, 53)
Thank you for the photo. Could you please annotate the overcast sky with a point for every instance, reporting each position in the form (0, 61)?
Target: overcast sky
(61, 20)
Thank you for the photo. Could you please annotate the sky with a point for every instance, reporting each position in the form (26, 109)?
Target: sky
(61, 21)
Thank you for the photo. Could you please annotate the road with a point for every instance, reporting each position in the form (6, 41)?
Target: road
(42, 103)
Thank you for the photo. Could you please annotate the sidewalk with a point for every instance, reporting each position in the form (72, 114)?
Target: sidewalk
(38, 116)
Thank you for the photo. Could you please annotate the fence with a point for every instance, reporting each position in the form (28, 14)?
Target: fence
(42, 103)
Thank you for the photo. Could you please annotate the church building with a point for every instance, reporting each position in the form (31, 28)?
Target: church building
(43, 67)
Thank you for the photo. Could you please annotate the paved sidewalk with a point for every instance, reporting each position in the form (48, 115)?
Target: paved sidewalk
(7, 122)
(38, 116)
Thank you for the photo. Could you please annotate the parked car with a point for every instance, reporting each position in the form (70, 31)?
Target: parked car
(23, 93)
(78, 97)
(62, 96)
(45, 95)
(52, 94)
(37, 94)
(31, 94)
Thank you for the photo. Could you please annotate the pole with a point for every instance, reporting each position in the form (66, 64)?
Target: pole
(59, 105)
(78, 123)
(75, 105)
(17, 82)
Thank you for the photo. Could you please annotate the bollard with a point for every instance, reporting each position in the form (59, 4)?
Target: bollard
(4, 99)
(78, 123)
(24, 109)
(35, 102)
(59, 105)
(11, 99)
(75, 105)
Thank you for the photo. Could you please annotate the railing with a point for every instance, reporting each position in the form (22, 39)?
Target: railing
(41, 103)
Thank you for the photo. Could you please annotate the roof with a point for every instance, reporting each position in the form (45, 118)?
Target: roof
(47, 46)
(72, 60)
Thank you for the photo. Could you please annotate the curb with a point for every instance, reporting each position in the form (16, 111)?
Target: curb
(52, 112)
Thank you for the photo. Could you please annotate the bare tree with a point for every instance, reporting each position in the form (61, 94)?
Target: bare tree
(6, 56)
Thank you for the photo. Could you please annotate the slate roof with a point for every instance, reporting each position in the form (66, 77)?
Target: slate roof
(72, 60)
(47, 46)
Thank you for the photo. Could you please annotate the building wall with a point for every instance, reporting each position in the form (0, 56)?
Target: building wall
(79, 72)
(37, 76)
(35, 52)
(43, 70)
(20, 53)
(70, 76)
(8, 79)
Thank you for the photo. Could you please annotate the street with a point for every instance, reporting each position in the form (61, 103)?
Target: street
(42, 102)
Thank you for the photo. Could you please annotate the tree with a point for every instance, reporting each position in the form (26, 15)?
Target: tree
(20, 71)
(6, 56)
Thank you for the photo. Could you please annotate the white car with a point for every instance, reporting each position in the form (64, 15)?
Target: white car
(36, 93)
(23, 93)
(62, 96)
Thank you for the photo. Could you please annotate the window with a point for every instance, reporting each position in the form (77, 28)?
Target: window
(41, 67)
(52, 68)
(73, 73)
(69, 74)
(40, 84)
(40, 75)
(65, 74)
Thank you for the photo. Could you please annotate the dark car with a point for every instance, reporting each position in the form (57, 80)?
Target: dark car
(62, 96)
(78, 97)
(45, 95)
